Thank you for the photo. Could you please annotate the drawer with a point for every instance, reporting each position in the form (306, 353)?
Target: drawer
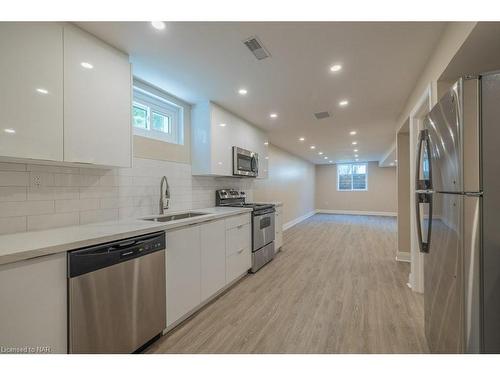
(236, 221)
(238, 264)
(238, 238)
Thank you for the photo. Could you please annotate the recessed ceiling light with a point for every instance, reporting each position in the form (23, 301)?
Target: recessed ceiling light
(9, 131)
(320, 153)
(357, 159)
(158, 25)
(354, 143)
(335, 68)
(266, 143)
(392, 164)
(343, 103)
(42, 91)
(267, 157)
(352, 132)
(326, 157)
(355, 150)
(86, 65)
(313, 147)
(330, 161)
(273, 115)
(356, 155)
(242, 91)
(395, 160)
(222, 124)
(302, 139)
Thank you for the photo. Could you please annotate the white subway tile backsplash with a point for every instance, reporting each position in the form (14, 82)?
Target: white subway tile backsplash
(26, 208)
(12, 167)
(52, 193)
(12, 224)
(71, 196)
(76, 205)
(12, 193)
(93, 216)
(11, 178)
(40, 222)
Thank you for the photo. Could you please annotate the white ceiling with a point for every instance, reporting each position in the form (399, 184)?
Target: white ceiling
(199, 61)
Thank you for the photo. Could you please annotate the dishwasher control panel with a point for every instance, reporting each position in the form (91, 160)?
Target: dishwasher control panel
(92, 258)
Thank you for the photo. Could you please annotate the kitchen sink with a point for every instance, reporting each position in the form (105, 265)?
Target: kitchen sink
(173, 217)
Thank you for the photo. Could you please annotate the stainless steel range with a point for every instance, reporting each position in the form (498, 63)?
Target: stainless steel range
(262, 225)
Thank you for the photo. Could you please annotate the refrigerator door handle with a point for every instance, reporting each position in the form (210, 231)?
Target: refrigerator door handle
(423, 183)
(423, 198)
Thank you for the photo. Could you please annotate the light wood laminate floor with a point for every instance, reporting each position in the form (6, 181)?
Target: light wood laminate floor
(335, 288)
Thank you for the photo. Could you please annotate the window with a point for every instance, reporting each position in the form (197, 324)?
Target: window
(155, 116)
(352, 177)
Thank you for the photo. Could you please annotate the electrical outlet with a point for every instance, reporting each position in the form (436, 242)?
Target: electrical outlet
(36, 180)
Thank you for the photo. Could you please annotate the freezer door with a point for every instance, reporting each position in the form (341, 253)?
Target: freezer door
(443, 277)
(444, 133)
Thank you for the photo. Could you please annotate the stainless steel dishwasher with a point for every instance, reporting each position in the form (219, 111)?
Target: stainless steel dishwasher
(117, 295)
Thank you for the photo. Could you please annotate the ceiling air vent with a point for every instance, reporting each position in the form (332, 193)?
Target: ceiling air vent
(257, 48)
(322, 115)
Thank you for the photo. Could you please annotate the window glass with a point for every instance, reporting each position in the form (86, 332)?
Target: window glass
(352, 177)
(139, 117)
(153, 116)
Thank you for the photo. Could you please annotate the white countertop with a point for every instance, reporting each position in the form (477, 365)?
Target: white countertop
(26, 245)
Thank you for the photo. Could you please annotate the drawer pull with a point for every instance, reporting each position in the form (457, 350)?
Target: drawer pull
(240, 226)
(240, 251)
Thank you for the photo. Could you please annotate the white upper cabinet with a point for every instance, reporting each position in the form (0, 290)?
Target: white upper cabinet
(31, 90)
(97, 101)
(214, 133)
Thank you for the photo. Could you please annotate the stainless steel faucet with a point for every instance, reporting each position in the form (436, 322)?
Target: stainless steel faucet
(164, 195)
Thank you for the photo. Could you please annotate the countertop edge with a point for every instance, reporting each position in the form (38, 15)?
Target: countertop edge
(32, 253)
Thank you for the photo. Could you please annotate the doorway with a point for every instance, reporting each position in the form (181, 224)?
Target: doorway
(422, 107)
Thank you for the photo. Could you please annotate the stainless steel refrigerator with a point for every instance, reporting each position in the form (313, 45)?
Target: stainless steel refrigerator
(458, 217)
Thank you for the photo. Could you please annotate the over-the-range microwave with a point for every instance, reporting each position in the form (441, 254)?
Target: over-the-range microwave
(245, 163)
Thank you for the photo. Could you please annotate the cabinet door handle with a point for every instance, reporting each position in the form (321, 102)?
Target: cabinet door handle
(240, 251)
(240, 226)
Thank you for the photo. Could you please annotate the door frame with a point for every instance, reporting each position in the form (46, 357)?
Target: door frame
(421, 108)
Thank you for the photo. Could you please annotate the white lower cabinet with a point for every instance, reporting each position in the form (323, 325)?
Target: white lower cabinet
(202, 259)
(278, 225)
(213, 258)
(183, 272)
(33, 305)
(238, 247)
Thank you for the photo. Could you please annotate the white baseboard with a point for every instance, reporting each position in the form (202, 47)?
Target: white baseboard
(349, 212)
(297, 220)
(403, 256)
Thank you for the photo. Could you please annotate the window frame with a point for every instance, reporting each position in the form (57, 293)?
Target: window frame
(148, 97)
(352, 187)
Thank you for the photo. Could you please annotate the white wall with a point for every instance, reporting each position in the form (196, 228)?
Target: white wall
(381, 196)
(291, 180)
(73, 196)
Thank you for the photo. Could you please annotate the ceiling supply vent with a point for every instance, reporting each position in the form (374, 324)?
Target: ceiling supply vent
(257, 48)
(322, 115)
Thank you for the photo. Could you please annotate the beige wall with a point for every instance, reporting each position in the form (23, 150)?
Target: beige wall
(147, 148)
(452, 38)
(403, 183)
(380, 197)
(291, 181)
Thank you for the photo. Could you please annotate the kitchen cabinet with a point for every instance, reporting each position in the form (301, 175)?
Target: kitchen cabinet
(238, 247)
(31, 94)
(278, 220)
(65, 96)
(33, 308)
(214, 133)
(183, 272)
(213, 258)
(203, 259)
(97, 101)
